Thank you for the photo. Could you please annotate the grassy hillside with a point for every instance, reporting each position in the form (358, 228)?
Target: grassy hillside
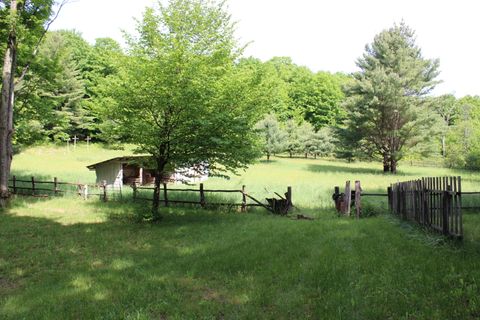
(65, 258)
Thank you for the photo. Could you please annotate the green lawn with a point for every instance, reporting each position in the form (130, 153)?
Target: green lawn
(66, 258)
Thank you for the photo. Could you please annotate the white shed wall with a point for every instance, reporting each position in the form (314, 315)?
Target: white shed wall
(112, 173)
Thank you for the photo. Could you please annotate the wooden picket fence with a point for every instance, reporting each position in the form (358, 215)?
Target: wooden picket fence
(433, 202)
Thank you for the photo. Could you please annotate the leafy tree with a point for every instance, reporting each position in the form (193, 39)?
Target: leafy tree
(273, 138)
(22, 25)
(463, 139)
(447, 108)
(292, 144)
(319, 97)
(387, 113)
(179, 96)
(305, 132)
(322, 143)
(51, 94)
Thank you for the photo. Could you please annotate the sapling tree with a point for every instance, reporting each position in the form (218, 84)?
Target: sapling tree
(304, 133)
(292, 143)
(273, 137)
(321, 143)
(180, 96)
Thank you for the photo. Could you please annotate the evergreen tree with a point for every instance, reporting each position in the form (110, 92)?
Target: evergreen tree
(387, 113)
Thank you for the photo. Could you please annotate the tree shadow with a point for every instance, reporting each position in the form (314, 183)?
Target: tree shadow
(195, 264)
(328, 168)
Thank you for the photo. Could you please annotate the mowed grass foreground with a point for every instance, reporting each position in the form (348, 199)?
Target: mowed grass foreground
(66, 258)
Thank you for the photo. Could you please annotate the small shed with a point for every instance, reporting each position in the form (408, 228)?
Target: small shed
(129, 170)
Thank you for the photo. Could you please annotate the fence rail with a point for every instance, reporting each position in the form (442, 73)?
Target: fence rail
(433, 202)
(281, 206)
(31, 187)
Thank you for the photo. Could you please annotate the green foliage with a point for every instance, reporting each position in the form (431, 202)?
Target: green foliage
(462, 140)
(179, 95)
(273, 138)
(51, 94)
(386, 113)
(322, 142)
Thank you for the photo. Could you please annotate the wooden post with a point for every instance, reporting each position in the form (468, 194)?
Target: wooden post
(134, 187)
(55, 185)
(33, 185)
(460, 218)
(165, 196)
(348, 198)
(336, 197)
(14, 180)
(244, 200)
(389, 194)
(445, 210)
(289, 198)
(358, 195)
(85, 192)
(104, 186)
(202, 196)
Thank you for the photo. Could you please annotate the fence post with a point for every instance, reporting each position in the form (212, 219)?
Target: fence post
(244, 200)
(358, 195)
(104, 186)
(165, 196)
(336, 197)
(445, 210)
(85, 192)
(202, 196)
(55, 185)
(389, 194)
(289, 198)
(33, 185)
(348, 198)
(14, 180)
(134, 187)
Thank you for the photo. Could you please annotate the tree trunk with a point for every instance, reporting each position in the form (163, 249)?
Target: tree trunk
(268, 156)
(156, 216)
(290, 154)
(6, 109)
(386, 163)
(444, 148)
(306, 155)
(393, 166)
(315, 156)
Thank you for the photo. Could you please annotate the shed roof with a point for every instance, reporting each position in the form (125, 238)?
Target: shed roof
(124, 159)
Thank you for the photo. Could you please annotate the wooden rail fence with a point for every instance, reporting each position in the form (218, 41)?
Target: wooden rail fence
(38, 188)
(433, 202)
(281, 206)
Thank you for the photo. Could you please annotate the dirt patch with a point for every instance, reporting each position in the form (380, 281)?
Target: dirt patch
(8, 285)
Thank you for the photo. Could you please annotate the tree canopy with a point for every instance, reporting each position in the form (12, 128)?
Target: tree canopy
(180, 96)
(387, 113)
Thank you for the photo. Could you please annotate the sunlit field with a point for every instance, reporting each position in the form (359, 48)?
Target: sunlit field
(64, 258)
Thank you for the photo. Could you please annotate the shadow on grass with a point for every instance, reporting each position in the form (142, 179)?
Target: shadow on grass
(206, 264)
(327, 168)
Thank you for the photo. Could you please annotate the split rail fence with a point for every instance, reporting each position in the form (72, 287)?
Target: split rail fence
(434, 202)
(279, 206)
(38, 188)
